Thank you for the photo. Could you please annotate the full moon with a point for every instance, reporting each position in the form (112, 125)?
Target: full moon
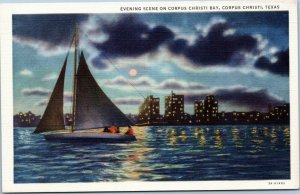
(133, 72)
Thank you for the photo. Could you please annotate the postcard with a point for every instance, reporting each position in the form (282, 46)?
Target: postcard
(149, 96)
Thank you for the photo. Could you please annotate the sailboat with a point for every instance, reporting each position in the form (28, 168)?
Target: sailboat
(92, 109)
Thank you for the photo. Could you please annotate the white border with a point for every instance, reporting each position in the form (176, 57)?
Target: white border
(6, 11)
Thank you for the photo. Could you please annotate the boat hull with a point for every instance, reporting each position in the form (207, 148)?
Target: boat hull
(90, 136)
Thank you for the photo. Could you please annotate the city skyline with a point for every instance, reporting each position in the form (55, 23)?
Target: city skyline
(205, 112)
(240, 59)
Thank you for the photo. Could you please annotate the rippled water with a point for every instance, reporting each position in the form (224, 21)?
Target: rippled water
(160, 154)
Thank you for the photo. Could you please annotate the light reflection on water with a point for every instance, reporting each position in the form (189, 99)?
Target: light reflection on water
(161, 153)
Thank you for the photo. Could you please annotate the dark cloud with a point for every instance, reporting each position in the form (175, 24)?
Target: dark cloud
(36, 92)
(178, 46)
(254, 99)
(240, 96)
(56, 29)
(171, 85)
(281, 66)
(216, 47)
(196, 87)
(131, 37)
(278, 20)
(43, 92)
(128, 101)
(177, 85)
(98, 62)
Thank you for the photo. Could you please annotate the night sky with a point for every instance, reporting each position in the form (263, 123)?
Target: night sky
(240, 57)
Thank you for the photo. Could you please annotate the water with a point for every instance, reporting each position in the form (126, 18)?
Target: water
(160, 154)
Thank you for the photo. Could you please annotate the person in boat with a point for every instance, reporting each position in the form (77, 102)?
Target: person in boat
(106, 129)
(130, 131)
(118, 130)
(113, 129)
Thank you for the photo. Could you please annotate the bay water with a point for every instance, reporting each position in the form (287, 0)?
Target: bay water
(161, 153)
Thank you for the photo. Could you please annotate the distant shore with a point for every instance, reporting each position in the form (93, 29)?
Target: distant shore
(171, 125)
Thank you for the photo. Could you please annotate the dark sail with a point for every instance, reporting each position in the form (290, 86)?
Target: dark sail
(93, 108)
(53, 117)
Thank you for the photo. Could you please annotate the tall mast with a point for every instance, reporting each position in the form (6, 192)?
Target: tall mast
(74, 76)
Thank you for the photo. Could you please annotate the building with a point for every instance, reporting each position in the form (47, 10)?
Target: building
(206, 111)
(199, 111)
(149, 111)
(224, 117)
(188, 119)
(255, 117)
(252, 117)
(26, 119)
(281, 114)
(174, 109)
(210, 109)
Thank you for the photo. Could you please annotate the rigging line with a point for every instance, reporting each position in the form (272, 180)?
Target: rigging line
(109, 60)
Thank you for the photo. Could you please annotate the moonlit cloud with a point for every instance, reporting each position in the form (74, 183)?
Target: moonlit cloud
(121, 81)
(216, 43)
(238, 50)
(166, 71)
(137, 37)
(49, 77)
(38, 91)
(49, 34)
(178, 85)
(42, 47)
(26, 73)
(215, 48)
(149, 84)
(194, 54)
